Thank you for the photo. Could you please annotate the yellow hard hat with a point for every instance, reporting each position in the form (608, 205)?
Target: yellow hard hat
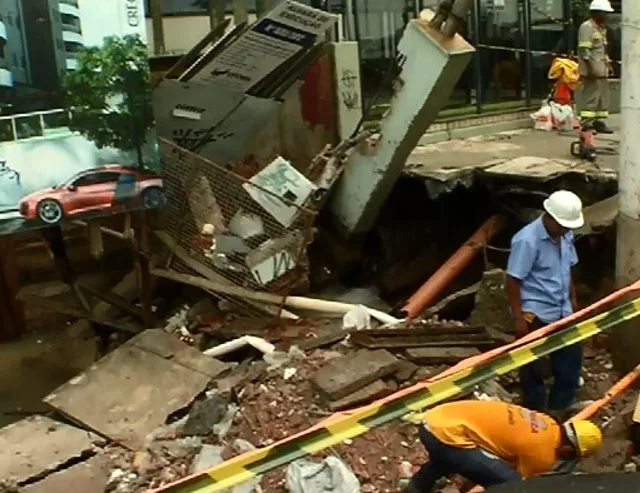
(584, 435)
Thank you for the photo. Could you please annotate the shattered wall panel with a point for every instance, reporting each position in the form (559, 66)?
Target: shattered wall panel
(247, 231)
(218, 123)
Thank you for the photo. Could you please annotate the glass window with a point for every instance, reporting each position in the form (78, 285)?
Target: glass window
(549, 34)
(501, 57)
(96, 178)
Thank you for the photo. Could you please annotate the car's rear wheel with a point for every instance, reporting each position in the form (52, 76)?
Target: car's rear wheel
(152, 198)
(50, 211)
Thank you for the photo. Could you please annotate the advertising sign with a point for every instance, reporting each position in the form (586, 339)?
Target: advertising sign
(77, 133)
(270, 42)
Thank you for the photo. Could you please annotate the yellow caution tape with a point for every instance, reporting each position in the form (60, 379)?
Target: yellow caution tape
(338, 428)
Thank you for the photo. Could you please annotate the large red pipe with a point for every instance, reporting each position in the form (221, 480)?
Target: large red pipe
(436, 284)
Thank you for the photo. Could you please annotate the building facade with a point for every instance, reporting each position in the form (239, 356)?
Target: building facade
(54, 36)
(14, 56)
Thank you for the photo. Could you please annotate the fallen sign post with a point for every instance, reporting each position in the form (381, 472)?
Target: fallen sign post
(340, 427)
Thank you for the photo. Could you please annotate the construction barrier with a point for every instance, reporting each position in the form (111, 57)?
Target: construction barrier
(340, 427)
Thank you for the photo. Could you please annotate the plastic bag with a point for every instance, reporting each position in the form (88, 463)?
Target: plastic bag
(562, 116)
(542, 119)
(329, 476)
(357, 318)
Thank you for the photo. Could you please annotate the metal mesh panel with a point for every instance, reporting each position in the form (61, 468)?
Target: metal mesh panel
(212, 216)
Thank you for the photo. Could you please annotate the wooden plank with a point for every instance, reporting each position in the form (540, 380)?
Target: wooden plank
(34, 447)
(89, 476)
(113, 299)
(440, 355)
(365, 340)
(132, 391)
(213, 276)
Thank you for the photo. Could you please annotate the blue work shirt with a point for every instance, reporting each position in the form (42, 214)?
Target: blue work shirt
(544, 270)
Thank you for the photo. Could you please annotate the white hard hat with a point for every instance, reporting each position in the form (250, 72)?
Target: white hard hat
(566, 208)
(601, 6)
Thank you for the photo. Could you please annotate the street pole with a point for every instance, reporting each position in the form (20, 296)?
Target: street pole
(157, 27)
(626, 342)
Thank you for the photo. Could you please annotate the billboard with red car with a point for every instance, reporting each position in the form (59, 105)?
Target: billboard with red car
(77, 133)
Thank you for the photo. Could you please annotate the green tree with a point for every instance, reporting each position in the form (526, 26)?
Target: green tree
(109, 94)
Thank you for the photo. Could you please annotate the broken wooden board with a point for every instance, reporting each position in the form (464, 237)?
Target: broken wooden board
(88, 476)
(418, 341)
(343, 376)
(132, 391)
(35, 447)
(440, 355)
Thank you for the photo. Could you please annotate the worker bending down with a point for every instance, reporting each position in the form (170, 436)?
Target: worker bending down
(595, 67)
(490, 443)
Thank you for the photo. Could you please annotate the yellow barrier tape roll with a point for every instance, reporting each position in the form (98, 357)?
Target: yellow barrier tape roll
(336, 429)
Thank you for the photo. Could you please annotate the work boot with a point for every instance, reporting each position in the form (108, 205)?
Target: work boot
(601, 127)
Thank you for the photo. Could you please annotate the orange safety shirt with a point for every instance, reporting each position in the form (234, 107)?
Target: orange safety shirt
(525, 439)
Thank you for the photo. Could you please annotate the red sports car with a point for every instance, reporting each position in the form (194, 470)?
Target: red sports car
(108, 188)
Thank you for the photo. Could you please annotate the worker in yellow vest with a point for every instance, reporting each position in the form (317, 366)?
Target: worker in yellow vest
(490, 443)
(595, 68)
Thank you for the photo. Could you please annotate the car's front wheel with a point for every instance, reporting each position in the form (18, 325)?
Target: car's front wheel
(154, 197)
(50, 211)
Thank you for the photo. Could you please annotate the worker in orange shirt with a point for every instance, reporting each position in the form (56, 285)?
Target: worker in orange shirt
(490, 443)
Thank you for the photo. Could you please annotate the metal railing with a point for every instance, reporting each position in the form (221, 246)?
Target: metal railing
(25, 126)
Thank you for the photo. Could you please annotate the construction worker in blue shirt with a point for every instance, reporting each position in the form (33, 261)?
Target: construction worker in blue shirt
(541, 291)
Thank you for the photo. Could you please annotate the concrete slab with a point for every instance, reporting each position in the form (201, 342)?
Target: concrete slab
(34, 447)
(447, 164)
(132, 391)
(343, 376)
(440, 355)
(362, 396)
(89, 476)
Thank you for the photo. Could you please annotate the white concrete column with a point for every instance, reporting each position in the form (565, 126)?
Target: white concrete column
(431, 64)
(627, 339)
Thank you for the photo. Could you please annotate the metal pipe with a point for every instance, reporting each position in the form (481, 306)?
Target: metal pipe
(477, 62)
(457, 16)
(623, 384)
(441, 14)
(436, 284)
(527, 53)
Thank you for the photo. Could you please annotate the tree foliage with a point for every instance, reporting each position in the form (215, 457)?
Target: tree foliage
(109, 94)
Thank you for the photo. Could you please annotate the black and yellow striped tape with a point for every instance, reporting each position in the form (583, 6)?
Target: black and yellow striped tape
(339, 428)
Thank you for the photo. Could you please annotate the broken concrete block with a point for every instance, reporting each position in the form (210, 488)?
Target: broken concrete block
(90, 475)
(209, 456)
(362, 396)
(35, 447)
(205, 414)
(437, 355)
(343, 376)
(406, 369)
(155, 374)
(491, 307)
